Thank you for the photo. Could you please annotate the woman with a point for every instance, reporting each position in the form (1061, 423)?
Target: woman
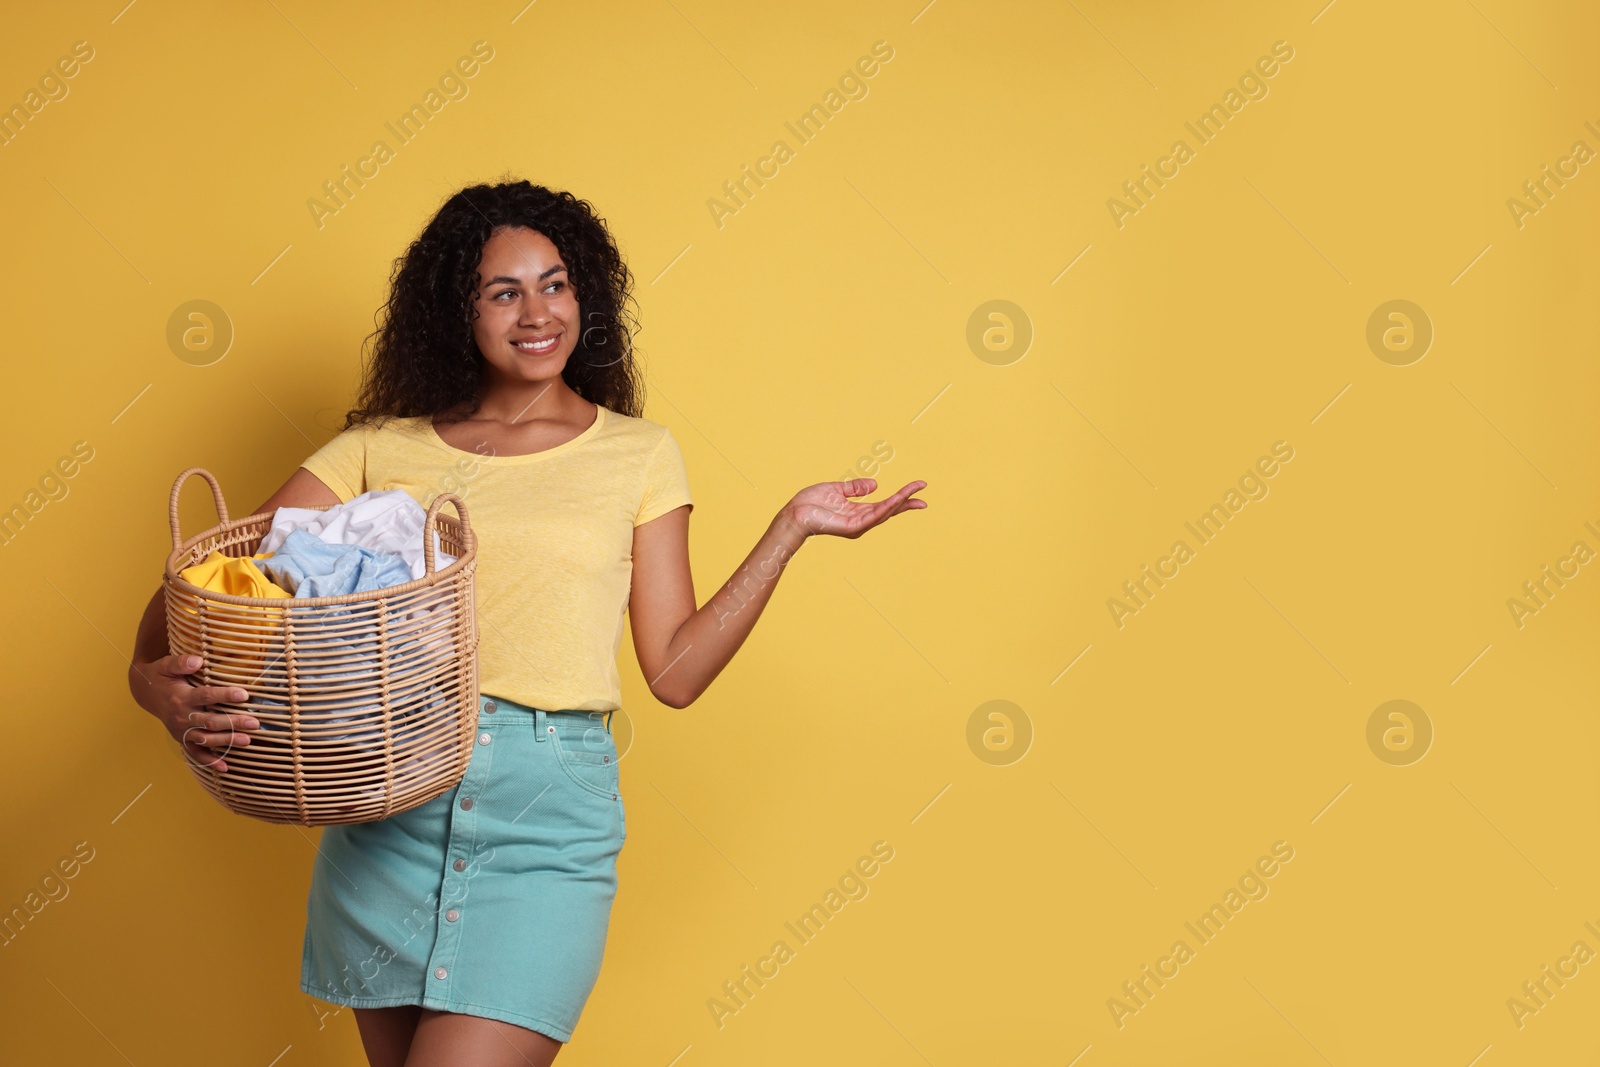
(470, 929)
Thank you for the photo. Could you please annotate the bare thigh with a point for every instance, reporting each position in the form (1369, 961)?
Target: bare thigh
(386, 1033)
(447, 1039)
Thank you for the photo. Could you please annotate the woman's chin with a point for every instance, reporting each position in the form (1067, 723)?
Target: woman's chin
(531, 370)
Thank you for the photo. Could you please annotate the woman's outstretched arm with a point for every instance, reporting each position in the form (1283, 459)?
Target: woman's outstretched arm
(681, 649)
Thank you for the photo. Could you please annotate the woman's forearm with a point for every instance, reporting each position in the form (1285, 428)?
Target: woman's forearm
(707, 640)
(150, 643)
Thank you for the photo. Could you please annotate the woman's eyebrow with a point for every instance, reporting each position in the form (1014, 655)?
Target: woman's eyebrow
(507, 280)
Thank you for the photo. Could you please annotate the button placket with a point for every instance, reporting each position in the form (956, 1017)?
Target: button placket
(460, 844)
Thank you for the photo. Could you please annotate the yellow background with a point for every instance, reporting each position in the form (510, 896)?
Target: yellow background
(827, 315)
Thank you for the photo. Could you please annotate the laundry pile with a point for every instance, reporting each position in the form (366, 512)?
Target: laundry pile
(384, 521)
(374, 541)
(371, 542)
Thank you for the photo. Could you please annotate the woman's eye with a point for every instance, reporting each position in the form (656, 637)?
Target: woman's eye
(556, 285)
(505, 292)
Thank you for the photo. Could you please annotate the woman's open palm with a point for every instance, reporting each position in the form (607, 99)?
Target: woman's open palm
(827, 508)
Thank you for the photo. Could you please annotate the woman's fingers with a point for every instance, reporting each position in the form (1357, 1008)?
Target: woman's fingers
(893, 502)
(839, 515)
(900, 501)
(223, 736)
(219, 723)
(211, 731)
(205, 734)
(204, 756)
(208, 749)
(204, 695)
(215, 736)
(176, 666)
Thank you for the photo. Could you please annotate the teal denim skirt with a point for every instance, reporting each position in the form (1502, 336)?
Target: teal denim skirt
(492, 899)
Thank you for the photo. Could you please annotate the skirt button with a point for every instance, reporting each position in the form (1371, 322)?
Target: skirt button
(440, 972)
(460, 865)
(489, 706)
(466, 803)
(452, 915)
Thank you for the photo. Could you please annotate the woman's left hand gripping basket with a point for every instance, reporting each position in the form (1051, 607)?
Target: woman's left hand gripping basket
(368, 702)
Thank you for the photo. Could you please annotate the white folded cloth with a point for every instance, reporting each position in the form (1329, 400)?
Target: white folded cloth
(384, 520)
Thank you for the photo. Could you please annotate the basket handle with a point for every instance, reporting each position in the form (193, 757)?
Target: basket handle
(172, 506)
(467, 536)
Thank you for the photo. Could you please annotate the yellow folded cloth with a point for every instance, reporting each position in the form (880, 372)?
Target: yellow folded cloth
(246, 645)
(234, 575)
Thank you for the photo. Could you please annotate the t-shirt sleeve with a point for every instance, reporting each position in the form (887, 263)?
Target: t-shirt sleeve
(341, 464)
(666, 481)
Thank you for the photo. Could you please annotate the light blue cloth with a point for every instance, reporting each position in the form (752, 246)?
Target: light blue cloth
(307, 566)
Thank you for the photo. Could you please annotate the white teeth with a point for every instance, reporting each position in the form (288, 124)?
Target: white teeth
(529, 346)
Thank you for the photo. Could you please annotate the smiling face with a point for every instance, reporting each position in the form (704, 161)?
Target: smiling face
(527, 321)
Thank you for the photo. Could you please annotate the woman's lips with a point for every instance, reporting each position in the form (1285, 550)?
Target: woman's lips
(537, 347)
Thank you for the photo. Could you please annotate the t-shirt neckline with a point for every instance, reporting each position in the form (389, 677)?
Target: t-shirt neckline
(526, 457)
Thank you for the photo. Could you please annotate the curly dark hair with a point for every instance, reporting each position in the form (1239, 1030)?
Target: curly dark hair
(425, 361)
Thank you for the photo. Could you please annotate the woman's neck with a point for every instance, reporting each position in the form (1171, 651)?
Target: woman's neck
(524, 402)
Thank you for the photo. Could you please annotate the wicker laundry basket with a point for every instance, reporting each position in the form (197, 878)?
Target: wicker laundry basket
(368, 702)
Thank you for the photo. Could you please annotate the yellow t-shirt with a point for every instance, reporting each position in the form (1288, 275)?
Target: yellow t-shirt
(555, 540)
